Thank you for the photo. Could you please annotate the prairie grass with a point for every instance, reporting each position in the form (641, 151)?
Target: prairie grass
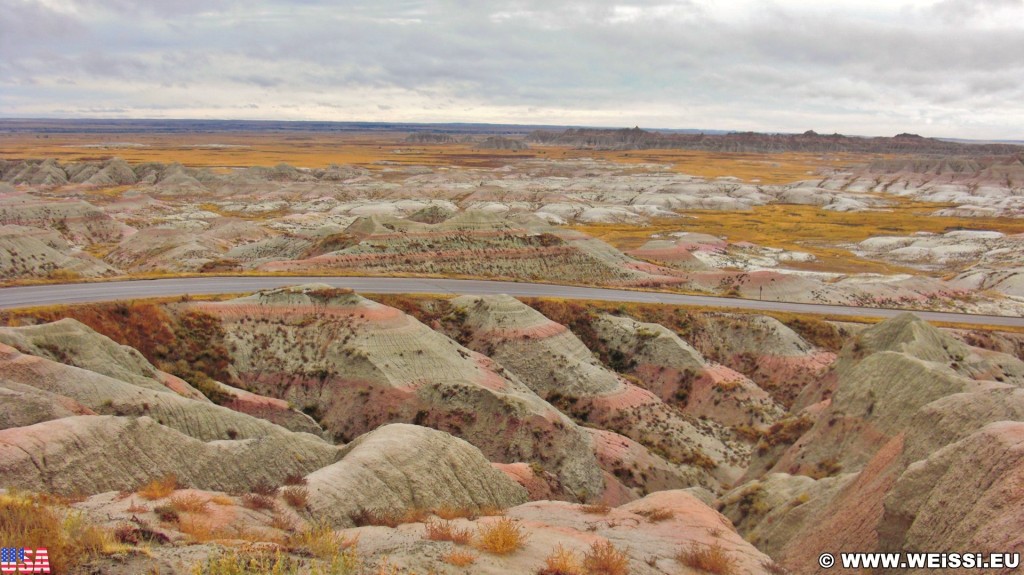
(258, 502)
(459, 558)
(296, 496)
(166, 513)
(562, 561)
(320, 540)
(806, 228)
(501, 537)
(34, 521)
(199, 529)
(189, 502)
(656, 515)
(708, 558)
(318, 150)
(159, 488)
(389, 517)
(443, 530)
(604, 559)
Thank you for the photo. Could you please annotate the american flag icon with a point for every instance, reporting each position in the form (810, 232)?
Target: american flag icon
(22, 560)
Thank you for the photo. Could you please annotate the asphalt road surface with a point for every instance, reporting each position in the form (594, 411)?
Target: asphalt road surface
(27, 296)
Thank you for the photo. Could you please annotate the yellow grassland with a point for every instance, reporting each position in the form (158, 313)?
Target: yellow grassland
(806, 228)
(318, 150)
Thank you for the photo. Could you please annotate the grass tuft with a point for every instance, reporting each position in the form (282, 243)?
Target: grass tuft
(656, 515)
(708, 558)
(442, 530)
(189, 502)
(501, 537)
(297, 497)
(258, 502)
(604, 559)
(459, 558)
(562, 561)
(35, 521)
(159, 488)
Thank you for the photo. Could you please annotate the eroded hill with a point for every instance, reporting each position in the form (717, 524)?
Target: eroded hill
(324, 432)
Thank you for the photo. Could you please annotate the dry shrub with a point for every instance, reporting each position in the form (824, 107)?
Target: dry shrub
(166, 513)
(297, 497)
(263, 488)
(656, 515)
(437, 530)
(199, 529)
(562, 561)
(604, 559)
(258, 502)
(596, 509)
(222, 500)
(127, 533)
(294, 479)
(189, 502)
(459, 558)
(501, 537)
(140, 532)
(708, 558)
(282, 522)
(159, 488)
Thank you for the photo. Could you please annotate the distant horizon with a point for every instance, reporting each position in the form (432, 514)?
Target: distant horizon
(939, 68)
(401, 123)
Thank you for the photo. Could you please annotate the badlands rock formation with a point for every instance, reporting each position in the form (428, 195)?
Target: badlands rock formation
(355, 365)
(905, 405)
(527, 416)
(100, 218)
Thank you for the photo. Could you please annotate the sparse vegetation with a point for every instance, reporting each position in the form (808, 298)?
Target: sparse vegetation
(189, 502)
(596, 509)
(159, 488)
(708, 558)
(657, 515)
(258, 502)
(296, 496)
(320, 540)
(166, 513)
(459, 558)
(35, 521)
(501, 537)
(444, 530)
(604, 559)
(562, 561)
(389, 517)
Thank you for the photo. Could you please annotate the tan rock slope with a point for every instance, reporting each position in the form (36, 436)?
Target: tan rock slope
(93, 454)
(400, 466)
(915, 438)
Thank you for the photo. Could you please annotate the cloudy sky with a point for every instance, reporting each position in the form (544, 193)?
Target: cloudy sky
(948, 68)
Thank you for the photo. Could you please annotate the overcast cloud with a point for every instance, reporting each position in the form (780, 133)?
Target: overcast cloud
(951, 68)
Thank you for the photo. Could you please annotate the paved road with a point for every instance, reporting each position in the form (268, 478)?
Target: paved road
(15, 297)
